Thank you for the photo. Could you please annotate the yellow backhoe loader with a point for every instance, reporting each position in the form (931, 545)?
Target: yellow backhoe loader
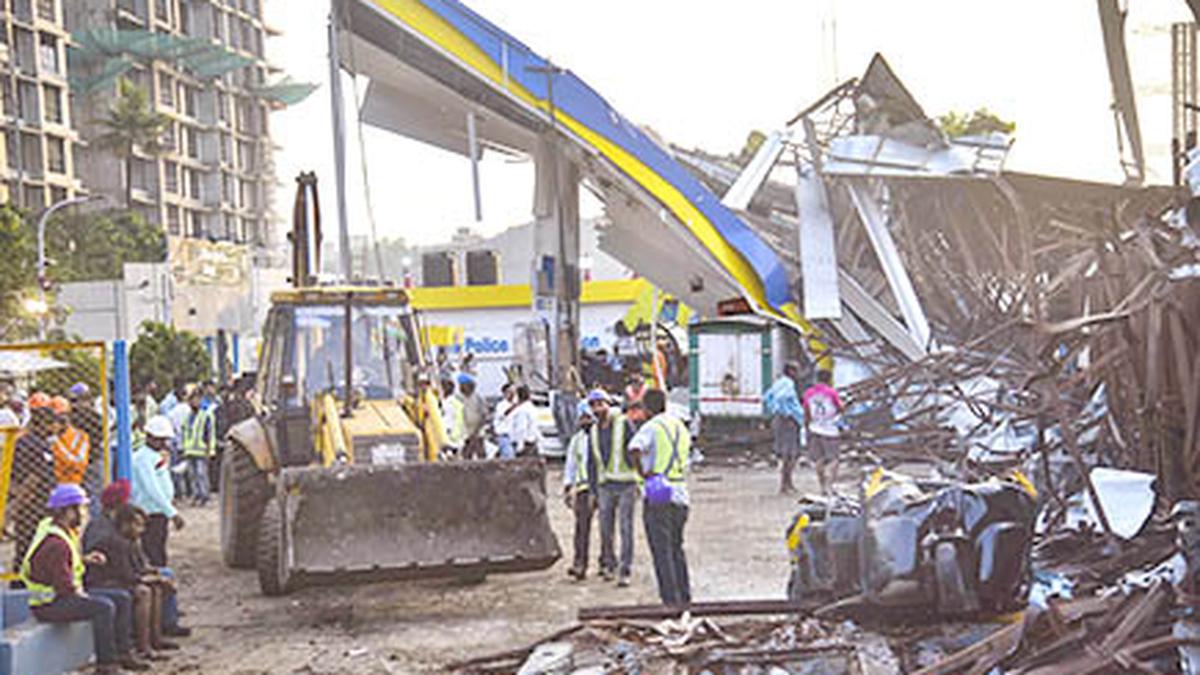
(338, 477)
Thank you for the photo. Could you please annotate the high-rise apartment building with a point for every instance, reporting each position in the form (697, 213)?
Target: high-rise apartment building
(215, 178)
(40, 140)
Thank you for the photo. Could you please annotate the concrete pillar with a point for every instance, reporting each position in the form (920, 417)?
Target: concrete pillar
(556, 276)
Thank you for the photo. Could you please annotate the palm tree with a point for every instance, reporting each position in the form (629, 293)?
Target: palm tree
(132, 123)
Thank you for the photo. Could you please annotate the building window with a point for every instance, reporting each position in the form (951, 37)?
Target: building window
(185, 18)
(56, 154)
(226, 148)
(35, 197)
(437, 269)
(189, 100)
(222, 107)
(171, 177)
(12, 154)
(226, 188)
(141, 175)
(191, 142)
(196, 223)
(23, 9)
(173, 220)
(166, 90)
(170, 138)
(48, 53)
(245, 156)
(31, 154)
(26, 53)
(193, 184)
(53, 103)
(483, 268)
(218, 18)
(162, 11)
(57, 194)
(246, 194)
(27, 98)
(46, 10)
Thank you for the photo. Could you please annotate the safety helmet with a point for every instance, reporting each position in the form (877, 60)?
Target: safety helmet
(160, 427)
(66, 494)
(38, 399)
(598, 395)
(79, 390)
(60, 405)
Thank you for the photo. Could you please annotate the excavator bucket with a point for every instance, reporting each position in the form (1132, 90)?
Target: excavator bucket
(367, 523)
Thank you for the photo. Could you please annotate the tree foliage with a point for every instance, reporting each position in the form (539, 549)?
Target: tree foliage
(978, 123)
(88, 246)
(17, 274)
(131, 124)
(165, 355)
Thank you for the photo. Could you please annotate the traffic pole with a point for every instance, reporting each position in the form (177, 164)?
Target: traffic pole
(124, 463)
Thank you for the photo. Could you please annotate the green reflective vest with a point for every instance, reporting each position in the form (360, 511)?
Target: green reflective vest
(43, 594)
(672, 448)
(199, 435)
(577, 451)
(618, 469)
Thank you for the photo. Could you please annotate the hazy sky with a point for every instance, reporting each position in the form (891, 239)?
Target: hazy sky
(703, 74)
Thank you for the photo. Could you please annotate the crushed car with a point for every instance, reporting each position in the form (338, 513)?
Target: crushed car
(951, 547)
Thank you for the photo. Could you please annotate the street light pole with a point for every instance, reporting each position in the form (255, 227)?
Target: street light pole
(41, 251)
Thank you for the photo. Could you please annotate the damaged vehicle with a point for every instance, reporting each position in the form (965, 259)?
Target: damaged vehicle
(952, 547)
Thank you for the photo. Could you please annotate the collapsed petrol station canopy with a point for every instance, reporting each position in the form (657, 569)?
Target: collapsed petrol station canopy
(431, 62)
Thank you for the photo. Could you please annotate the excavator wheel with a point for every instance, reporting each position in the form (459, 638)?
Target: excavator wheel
(244, 492)
(273, 576)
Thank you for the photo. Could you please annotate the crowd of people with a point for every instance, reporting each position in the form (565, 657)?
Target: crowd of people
(615, 459)
(106, 560)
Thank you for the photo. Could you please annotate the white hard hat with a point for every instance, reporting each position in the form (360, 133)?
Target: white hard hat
(160, 427)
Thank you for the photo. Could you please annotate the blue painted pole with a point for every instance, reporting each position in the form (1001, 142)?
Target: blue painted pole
(124, 459)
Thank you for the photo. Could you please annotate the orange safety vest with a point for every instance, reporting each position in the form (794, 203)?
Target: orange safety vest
(71, 450)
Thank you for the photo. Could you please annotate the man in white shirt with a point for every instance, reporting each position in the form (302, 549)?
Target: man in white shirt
(502, 420)
(525, 432)
(179, 414)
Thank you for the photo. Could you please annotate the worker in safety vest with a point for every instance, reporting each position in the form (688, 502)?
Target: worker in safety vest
(52, 572)
(198, 444)
(71, 447)
(617, 482)
(579, 487)
(662, 449)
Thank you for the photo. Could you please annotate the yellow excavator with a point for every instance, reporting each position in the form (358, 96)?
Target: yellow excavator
(338, 477)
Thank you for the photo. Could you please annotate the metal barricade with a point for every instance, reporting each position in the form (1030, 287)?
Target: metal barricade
(58, 395)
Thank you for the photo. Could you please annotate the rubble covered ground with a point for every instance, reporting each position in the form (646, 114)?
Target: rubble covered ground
(735, 544)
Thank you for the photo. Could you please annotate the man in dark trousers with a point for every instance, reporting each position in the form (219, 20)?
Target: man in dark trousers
(579, 487)
(53, 571)
(662, 449)
(617, 480)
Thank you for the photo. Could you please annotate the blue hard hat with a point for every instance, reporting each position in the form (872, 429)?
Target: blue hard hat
(66, 494)
(598, 395)
(465, 378)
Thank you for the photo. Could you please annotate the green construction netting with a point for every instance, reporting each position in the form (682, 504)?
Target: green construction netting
(101, 55)
(285, 92)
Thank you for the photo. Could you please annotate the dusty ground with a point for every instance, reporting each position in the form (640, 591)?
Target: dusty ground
(734, 545)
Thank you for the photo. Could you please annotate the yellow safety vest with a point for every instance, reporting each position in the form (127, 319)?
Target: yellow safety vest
(194, 442)
(618, 469)
(672, 447)
(43, 594)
